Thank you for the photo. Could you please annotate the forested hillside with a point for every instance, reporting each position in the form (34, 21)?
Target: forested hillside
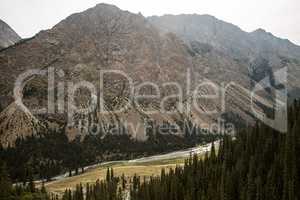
(259, 163)
(48, 154)
(19, 191)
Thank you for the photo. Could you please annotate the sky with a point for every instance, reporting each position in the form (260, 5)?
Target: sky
(280, 17)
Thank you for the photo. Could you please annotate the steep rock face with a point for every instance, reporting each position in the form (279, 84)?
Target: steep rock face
(8, 36)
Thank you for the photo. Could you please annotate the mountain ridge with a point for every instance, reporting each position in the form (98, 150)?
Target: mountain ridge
(258, 29)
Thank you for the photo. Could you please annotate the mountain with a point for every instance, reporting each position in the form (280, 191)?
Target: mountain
(103, 37)
(225, 37)
(8, 36)
(246, 48)
(155, 49)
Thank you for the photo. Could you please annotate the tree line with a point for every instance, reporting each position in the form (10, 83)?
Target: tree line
(27, 191)
(50, 153)
(259, 163)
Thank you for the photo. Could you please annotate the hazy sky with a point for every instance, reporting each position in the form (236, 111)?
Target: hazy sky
(281, 17)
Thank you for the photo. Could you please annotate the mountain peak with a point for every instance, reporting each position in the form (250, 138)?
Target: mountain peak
(106, 6)
(262, 32)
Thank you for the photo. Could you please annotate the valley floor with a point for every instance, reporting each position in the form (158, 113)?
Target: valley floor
(143, 167)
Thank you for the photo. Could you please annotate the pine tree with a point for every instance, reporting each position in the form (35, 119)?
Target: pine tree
(5, 184)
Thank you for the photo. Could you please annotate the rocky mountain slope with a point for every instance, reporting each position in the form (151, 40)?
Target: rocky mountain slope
(103, 37)
(8, 36)
(205, 32)
(156, 49)
(225, 37)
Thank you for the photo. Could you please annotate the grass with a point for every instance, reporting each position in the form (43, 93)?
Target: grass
(99, 173)
(142, 169)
